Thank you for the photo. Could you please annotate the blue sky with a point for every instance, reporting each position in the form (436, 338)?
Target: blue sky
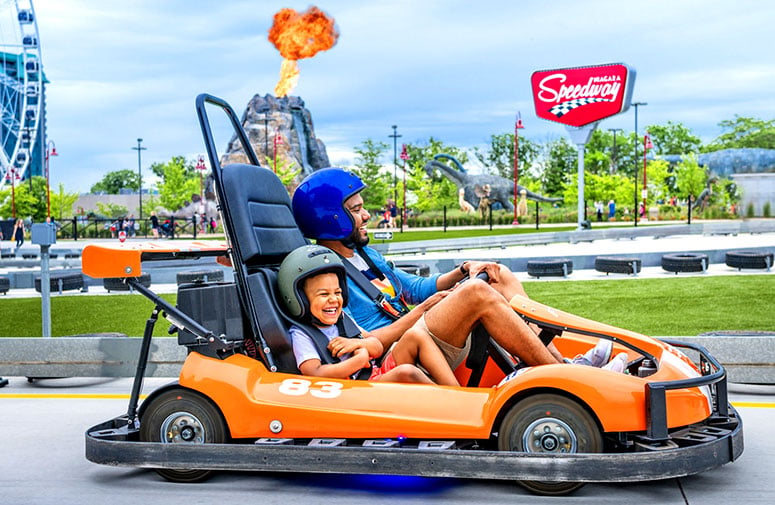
(455, 70)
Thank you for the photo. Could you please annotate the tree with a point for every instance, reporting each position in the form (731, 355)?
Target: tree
(27, 203)
(62, 202)
(673, 138)
(372, 173)
(177, 184)
(114, 181)
(745, 132)
(690, 177)
(499, 157)
(432, 191)
(559, 165)
(189, 167)
(111, 210)
(285, 171)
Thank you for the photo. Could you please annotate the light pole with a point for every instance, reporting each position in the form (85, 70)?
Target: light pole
(635, 205)
(51, 150)
(12, 175)
(278, 139)
(517, 126)
(201, 167)
(139, 149)
(395, 137)
(404, 156)
(646, 146)
(613, 154)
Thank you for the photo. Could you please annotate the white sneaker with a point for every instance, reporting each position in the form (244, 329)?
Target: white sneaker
(597, 356)
(618, 364)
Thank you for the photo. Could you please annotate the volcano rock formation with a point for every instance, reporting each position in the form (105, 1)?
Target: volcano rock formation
(265, 117)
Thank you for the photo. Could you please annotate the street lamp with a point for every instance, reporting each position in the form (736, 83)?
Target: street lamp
(201, 167)
(613, 155)
(12, 176)
(517, 126)
(278, 139)
(646, 146)
(404, 156)
(635, 206)
(51, 150)
(395, 137)
(139, 149)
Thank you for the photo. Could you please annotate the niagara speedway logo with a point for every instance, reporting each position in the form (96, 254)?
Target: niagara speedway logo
(582, 95)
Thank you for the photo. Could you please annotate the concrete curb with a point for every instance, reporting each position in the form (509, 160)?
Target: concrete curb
(749, 359)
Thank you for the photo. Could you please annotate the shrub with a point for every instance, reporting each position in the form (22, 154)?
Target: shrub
(749, 210)
(766, 209)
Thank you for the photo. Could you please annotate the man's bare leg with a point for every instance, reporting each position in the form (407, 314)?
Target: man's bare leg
(453, 318)
(508, 285)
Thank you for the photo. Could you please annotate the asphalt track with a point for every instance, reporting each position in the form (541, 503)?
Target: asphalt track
(42, 461)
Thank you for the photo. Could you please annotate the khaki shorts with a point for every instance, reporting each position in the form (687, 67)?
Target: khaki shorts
(453, 355)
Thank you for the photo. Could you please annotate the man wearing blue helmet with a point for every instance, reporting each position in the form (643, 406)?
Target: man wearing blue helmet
(328, 207)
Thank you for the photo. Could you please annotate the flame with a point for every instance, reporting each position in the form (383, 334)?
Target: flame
(297, 36)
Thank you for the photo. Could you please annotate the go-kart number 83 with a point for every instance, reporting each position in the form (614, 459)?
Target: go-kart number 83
(301, 387)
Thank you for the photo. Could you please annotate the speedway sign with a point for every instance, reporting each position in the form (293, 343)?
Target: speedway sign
(579, 96)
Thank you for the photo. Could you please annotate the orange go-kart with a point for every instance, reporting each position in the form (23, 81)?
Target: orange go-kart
(241, 404)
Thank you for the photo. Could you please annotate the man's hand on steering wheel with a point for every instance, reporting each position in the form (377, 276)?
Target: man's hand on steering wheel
(474, 268)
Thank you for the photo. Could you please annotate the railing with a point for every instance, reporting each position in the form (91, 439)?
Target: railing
(90, 228)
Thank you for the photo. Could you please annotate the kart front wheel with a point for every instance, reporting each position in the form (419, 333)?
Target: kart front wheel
(182, 416)
(549, 423)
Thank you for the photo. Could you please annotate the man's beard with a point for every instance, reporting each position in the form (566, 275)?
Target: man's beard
(354, 240)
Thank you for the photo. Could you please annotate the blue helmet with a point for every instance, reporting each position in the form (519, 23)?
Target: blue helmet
(318, 203)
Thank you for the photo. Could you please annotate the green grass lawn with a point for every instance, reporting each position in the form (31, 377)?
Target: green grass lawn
(662, 307)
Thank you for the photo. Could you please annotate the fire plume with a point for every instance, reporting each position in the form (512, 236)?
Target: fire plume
(297, 36)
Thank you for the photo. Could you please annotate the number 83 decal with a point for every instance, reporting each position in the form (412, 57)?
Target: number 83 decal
(319, 389)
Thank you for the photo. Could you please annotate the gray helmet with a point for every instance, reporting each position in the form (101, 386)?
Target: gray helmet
(301, 263)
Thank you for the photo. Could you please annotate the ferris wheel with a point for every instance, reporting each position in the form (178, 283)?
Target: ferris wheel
(21, 89)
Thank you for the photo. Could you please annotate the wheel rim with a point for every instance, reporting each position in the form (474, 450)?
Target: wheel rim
(182, 428)
(549, 435)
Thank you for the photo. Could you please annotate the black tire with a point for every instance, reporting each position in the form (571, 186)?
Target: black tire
(550, 268)
(182, 416)
(69, 281)
(415, 268)
(118, 284)
(548, 415)
(199, 276)
(685, 262)
(749, 259)
(618, 265)
(5, 284)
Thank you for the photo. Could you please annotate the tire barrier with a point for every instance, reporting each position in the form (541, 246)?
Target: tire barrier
(550, 268)
(749, 259)
(62, 282)
(685, 262)
(5, 284)
(118, 284)
(618, 265)
(414, 268)
(199, 276)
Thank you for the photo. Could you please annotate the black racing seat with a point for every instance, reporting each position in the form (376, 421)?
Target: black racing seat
(261, 231)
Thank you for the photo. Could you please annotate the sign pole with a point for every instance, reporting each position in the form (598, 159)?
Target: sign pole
(580, 137)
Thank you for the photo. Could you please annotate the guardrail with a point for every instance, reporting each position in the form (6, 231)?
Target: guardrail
(749, 359)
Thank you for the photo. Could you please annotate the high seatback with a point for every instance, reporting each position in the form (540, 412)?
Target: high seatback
(263, 230)
(259, 225)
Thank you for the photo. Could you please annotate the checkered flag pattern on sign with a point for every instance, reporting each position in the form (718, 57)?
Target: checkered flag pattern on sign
(563, 108)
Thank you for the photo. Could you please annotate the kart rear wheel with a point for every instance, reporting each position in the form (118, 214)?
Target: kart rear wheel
(549, 423)
(182, 416)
